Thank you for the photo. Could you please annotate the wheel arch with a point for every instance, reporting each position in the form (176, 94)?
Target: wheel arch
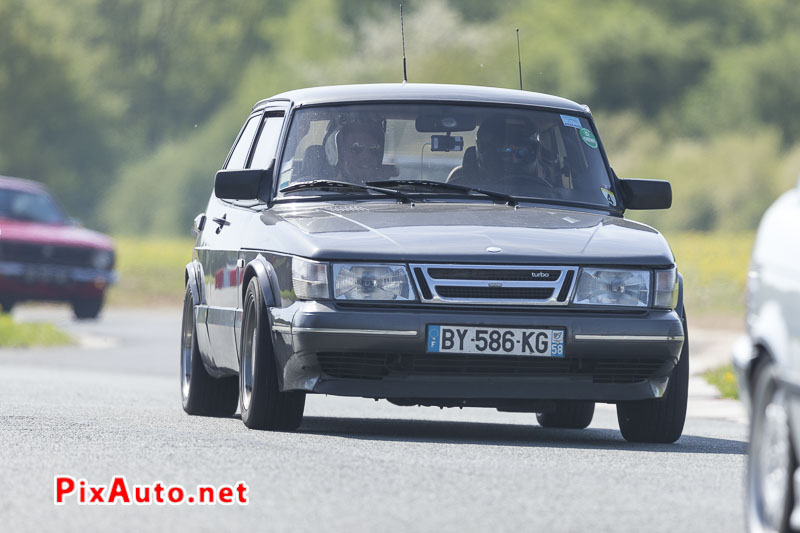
(762, 355)
(263, 270)
(193, 276)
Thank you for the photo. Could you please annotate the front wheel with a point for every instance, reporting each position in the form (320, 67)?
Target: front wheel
(202, 394)
(660, 419)
(87, 309)
(771, 462)
(6, 305)
(263, 404)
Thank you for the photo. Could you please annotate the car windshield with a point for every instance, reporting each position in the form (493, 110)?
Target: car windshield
(30, 206)
(521, 152)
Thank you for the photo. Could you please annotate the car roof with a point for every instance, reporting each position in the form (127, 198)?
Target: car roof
(421, 92)
(19, 184)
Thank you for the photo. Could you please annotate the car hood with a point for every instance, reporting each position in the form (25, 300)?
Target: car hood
(460, 232)
(52, 234)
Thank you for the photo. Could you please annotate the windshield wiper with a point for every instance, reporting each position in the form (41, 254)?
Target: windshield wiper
(429, 184)
(335, 184)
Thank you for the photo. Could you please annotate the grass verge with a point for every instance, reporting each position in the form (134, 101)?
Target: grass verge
(23, 335)
(724, 379)
(714, 269)
(151, 271)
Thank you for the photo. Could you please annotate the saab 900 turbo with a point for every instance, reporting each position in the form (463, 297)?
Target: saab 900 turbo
(432, 245)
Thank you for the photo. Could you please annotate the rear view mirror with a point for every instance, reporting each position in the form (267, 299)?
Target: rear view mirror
(447, 143)
(242, 184)
(646, 194)
(450, 122)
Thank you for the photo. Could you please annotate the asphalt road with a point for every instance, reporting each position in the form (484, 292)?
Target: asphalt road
(111, 406)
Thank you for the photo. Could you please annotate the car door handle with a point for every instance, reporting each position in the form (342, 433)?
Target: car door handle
(222, 222)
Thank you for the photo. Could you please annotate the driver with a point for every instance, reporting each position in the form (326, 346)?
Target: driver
(506, 147)
(355, 150)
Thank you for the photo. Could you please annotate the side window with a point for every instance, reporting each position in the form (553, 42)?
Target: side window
(239, 155)
(267, 142)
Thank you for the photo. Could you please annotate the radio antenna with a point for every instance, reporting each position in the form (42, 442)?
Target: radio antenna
(403, 41)
(519, 61)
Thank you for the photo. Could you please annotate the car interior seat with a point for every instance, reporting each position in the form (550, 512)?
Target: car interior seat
(468, 170)
(315, 165)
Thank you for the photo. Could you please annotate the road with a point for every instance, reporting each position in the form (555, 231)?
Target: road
(111, 406)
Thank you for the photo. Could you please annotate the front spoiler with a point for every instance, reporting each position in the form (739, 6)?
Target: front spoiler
(317, 328)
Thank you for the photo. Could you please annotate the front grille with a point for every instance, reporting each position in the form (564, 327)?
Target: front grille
(494, 285)
(495, 293)
(46, 254)
(497, 274)
(377, 365)
(562, 295)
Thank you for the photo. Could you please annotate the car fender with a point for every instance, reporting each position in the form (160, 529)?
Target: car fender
(771, 339)
(770, 334)
(267, 280)
(194, 278)
(264, 272)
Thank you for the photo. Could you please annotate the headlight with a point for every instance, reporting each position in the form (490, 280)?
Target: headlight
(102, 259)
(613, 287)
(666, 288)
(371, 282)
(310, 279)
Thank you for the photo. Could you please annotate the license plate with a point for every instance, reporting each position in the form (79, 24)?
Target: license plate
(496, 341)
(45, 274)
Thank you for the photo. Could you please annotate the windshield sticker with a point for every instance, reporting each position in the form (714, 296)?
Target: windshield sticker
(612, 200)
(570, 121)
(588, 137)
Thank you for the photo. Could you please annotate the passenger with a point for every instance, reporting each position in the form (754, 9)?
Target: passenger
(355, 150)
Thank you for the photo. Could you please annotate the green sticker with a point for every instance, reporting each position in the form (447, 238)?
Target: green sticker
(608, 194)
(588, 137)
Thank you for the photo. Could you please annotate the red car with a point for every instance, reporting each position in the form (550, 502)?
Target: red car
(45, 256)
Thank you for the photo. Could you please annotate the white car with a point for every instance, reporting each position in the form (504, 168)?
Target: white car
(768, 366)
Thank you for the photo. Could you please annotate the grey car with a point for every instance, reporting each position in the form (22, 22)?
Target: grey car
(767, 361)
(432, 245)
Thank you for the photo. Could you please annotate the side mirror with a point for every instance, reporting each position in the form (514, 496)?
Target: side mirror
(646, 194)
(242, 184)
(199, 224)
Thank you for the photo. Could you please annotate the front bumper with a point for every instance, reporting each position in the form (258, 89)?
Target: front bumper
(381, 353)
(35, 281)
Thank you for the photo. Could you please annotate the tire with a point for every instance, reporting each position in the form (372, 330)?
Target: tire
(262, 403)
(568, 414)
(87, 309)
(202, 394)
(6, 306)
(771, 461)
(661, 419)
